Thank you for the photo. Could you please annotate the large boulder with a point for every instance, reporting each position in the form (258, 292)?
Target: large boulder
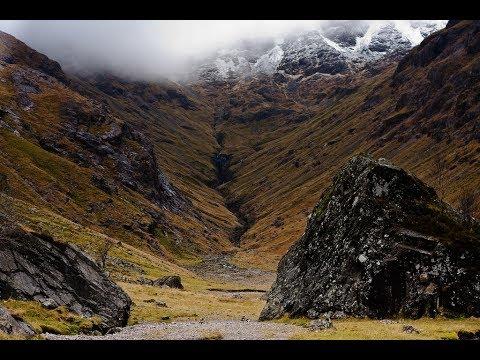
(381, 244)
(172, 281)
(36, 267)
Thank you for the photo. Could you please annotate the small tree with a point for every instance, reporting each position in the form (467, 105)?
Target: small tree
(107, 245)
(440, 166)
(468, 203)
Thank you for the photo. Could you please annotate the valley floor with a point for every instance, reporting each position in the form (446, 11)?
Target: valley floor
(223, 302)
(227, 307)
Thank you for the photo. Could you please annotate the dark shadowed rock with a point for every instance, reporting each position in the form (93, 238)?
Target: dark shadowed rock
(172, 281)
(468, 335)
(9, 325)
(409, 329)
(380, 244)
(35, 267)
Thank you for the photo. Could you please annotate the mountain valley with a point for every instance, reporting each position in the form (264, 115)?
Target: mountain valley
(215, 177)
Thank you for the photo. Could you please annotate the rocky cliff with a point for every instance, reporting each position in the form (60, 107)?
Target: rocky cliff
(380, 244)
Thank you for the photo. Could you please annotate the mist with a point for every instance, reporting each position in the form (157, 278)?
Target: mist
(148, 49)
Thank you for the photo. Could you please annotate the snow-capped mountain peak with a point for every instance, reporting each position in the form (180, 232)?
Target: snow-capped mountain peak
(340, 47)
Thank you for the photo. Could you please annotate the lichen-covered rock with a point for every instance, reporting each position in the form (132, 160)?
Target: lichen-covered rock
(380, 244)
(320, 324)
(36, 267)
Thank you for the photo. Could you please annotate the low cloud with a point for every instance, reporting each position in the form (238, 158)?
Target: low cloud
(145, 49)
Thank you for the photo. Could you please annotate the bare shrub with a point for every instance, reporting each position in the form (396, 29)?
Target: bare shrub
(440, 167)
(468, 203)
(103, 253)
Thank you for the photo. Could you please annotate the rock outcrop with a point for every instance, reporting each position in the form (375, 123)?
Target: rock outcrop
(121, 146)
(381, 244)
(36, 267)
(172, 281)
(468, 335)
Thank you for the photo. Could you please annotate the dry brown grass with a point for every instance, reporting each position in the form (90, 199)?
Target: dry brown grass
(367, 329)
(211, 335)
(57, 321)
(194, 303)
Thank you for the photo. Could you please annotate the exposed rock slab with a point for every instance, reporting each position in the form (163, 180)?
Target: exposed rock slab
(380, 244)
(36, 267)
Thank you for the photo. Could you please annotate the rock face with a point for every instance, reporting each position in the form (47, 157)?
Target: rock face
(35, 267)
(135, 166)
(380, 244)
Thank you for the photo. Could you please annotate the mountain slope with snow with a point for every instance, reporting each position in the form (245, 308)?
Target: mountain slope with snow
(337, 48)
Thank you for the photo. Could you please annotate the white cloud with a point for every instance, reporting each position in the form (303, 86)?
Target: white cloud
(145, 48)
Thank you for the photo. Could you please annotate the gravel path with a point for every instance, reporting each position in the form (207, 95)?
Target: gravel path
(195, 330)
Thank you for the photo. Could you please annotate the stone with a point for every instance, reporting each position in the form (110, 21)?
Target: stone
(36, 267)
(320, 324)
(423, 277)
(468, 335)
(338, 315)
(48, 303)
(144, 281)
(409, 329)
(380, 244)
(172, 281)
(114, 330)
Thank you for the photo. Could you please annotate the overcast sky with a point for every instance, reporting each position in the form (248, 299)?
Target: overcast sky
(141, 48)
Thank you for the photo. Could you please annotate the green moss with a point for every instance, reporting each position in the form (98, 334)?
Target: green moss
(437, 221)
(44, 168)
